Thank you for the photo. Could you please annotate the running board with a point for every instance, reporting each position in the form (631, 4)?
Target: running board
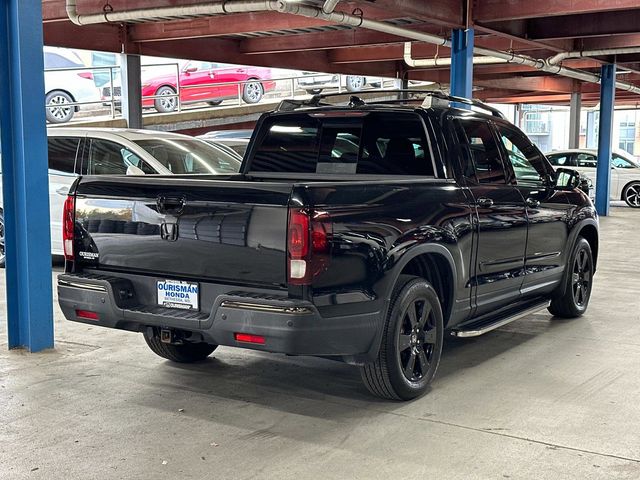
(480, 328)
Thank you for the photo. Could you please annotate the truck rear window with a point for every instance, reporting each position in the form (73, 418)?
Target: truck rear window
(368, 143)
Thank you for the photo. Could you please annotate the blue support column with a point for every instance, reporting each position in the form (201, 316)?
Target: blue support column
(607, 102)
(24, 176)
(462, 63)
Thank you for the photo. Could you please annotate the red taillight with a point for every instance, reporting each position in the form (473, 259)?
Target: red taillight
(88, 315)
(68, 226)
(248, 338)
(87, 75)
(307, 245)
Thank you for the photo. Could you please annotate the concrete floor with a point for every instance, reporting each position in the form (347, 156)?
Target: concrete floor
(537, 399)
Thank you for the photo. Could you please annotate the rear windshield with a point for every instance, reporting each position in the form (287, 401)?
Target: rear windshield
(369, 143)
(190, 156)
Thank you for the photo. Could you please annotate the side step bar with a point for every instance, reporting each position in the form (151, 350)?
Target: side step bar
(480, 328)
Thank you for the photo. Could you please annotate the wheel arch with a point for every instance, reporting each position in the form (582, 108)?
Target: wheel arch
(434, 263)
(590, 233)
(172, 87)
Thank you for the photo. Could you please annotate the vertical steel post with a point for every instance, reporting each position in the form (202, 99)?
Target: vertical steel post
(574, 120)
(603, 171)
(462, 63)
(131, 94)
(23, 138)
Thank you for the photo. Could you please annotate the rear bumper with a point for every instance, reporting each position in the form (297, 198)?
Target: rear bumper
(288, 326)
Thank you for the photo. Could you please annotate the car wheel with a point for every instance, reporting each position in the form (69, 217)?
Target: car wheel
(314, 91)
(631, 194)
(2, 252)
(180, 353)
(252, 92)
(56, 111)
(355, 84)
(411, 342)
(168, 103)
(579, 280)
(214, 103)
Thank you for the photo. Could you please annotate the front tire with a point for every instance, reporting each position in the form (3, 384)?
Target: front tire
(631, 194)
(314, 91)
(56, 112)
(411, 342)
(252, 92)
(579, 280)
(214, 103)
(183, 353)
(167, 104)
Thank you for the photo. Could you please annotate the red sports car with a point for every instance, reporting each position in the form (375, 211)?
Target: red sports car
(198, 83)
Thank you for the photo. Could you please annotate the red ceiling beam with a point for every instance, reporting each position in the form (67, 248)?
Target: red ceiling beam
(53, 10)
(449, 13)
(498, 10)
(104, 37)
(539, 84)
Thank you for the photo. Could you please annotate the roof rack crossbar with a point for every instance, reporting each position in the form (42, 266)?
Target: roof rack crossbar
(316, 100)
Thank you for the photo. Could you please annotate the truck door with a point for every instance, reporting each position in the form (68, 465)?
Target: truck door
(501, 217)
(547, 211)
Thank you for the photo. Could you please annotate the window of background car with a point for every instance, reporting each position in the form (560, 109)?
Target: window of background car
(111, 158)
(368, 143)
(53, 60)
(62, 153)
(485, 165)
(620, 162)
(587, 160)
(528, 163)
(190, 156)
(561, 160)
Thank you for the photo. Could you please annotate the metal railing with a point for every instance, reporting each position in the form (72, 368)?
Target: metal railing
(271, 88)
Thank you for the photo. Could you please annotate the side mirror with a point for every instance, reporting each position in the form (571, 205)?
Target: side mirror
(567, 179)
(191, 70)
(133, 170)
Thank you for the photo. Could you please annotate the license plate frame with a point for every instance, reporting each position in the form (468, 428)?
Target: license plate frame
(178, 294)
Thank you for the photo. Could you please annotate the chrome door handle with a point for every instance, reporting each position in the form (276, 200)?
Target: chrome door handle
(484, 202)
(63, 191)
(532, 202)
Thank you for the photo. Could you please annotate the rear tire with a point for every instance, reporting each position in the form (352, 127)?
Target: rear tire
(577, 289)
(184, 353)
(57, 112)
(168, 104)
(411, 342)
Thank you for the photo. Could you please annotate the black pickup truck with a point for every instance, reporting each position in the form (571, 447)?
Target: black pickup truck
(361, 232)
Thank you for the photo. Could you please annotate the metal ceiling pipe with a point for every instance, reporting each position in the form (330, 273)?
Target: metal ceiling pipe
(165, 13)
(444, 61)
(591, 53)
(284, 6)
(329, 5)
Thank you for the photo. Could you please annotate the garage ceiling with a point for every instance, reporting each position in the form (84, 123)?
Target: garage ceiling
(540, 29)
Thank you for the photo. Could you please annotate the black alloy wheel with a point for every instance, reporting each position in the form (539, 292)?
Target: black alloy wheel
(411, 343)
(572, 298)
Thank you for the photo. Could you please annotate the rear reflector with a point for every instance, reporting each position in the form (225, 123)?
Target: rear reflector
(87, 314)
(248, 338)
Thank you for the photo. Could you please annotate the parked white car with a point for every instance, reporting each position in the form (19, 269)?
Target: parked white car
(66, 86)
(625, 171)
(314, 83)
(112, 151)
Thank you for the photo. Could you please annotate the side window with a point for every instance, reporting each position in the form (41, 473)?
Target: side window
(587, 160)
(484, 163)
(527, 161)
(620, 162)
(62, 153)
(110, 158)
(560, 160)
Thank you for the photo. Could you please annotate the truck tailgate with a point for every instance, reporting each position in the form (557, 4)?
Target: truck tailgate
(221, 230)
